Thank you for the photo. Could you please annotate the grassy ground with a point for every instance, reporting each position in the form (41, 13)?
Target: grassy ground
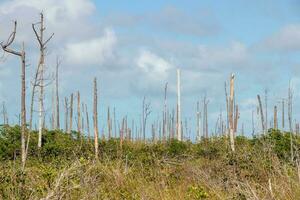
(65, 169)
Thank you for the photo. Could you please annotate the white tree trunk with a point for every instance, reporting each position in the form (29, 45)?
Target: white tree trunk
(179, 135)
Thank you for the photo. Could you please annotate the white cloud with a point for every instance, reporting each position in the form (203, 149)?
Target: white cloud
(55, 9)
(234, 54)
(61, 18)
(153, 65)
(93, 51)
(286, 40)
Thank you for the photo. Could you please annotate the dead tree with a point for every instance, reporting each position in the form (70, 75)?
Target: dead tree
(34, 85)
(165, 113)
(275, 118)
(115, 123)
(95, 118)
(108, 123)
(87, 122)
(261, 114)
(82, 117)
(58, 62)
(145, 114)
(236, 118)
(231, 110)
(198, 116)
(52, 118)
(205, 119)
(78, 116)
(42, 45)
(66, 114)
(71, 113)
(290, 108)
(178, 116)
(21, 54)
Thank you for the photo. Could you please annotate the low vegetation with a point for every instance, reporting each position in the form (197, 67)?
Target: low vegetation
(65, 168)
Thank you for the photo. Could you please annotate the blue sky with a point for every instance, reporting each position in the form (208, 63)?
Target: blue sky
(134, 47)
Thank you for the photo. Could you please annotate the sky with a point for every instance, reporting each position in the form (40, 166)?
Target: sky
(134, 47)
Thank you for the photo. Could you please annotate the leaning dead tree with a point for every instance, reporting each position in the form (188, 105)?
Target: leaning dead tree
(261, 114)
(95, 118)
(41, 67)
(87, 122)
(21, 54)
(178, 116)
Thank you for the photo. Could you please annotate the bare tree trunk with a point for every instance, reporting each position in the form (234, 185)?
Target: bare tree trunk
(145, 114)
(78, 116)
(95, 118)
(275, 118)
(261, 114)
(206, 120)
(57, 95)
(71, 113)
(52, 118)
(21, 54)
(178, 123)
(290, 108)
(66, 115)
(82, 117)
(115, 123)
(165, 113)
(122, 133)
(198, 138)
(108, 124)
(231, 109)
(236, 118)
(42, 45)
(23, 107)
(87, 122)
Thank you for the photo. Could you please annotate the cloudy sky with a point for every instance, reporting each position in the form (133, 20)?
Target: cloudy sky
(134, 47)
